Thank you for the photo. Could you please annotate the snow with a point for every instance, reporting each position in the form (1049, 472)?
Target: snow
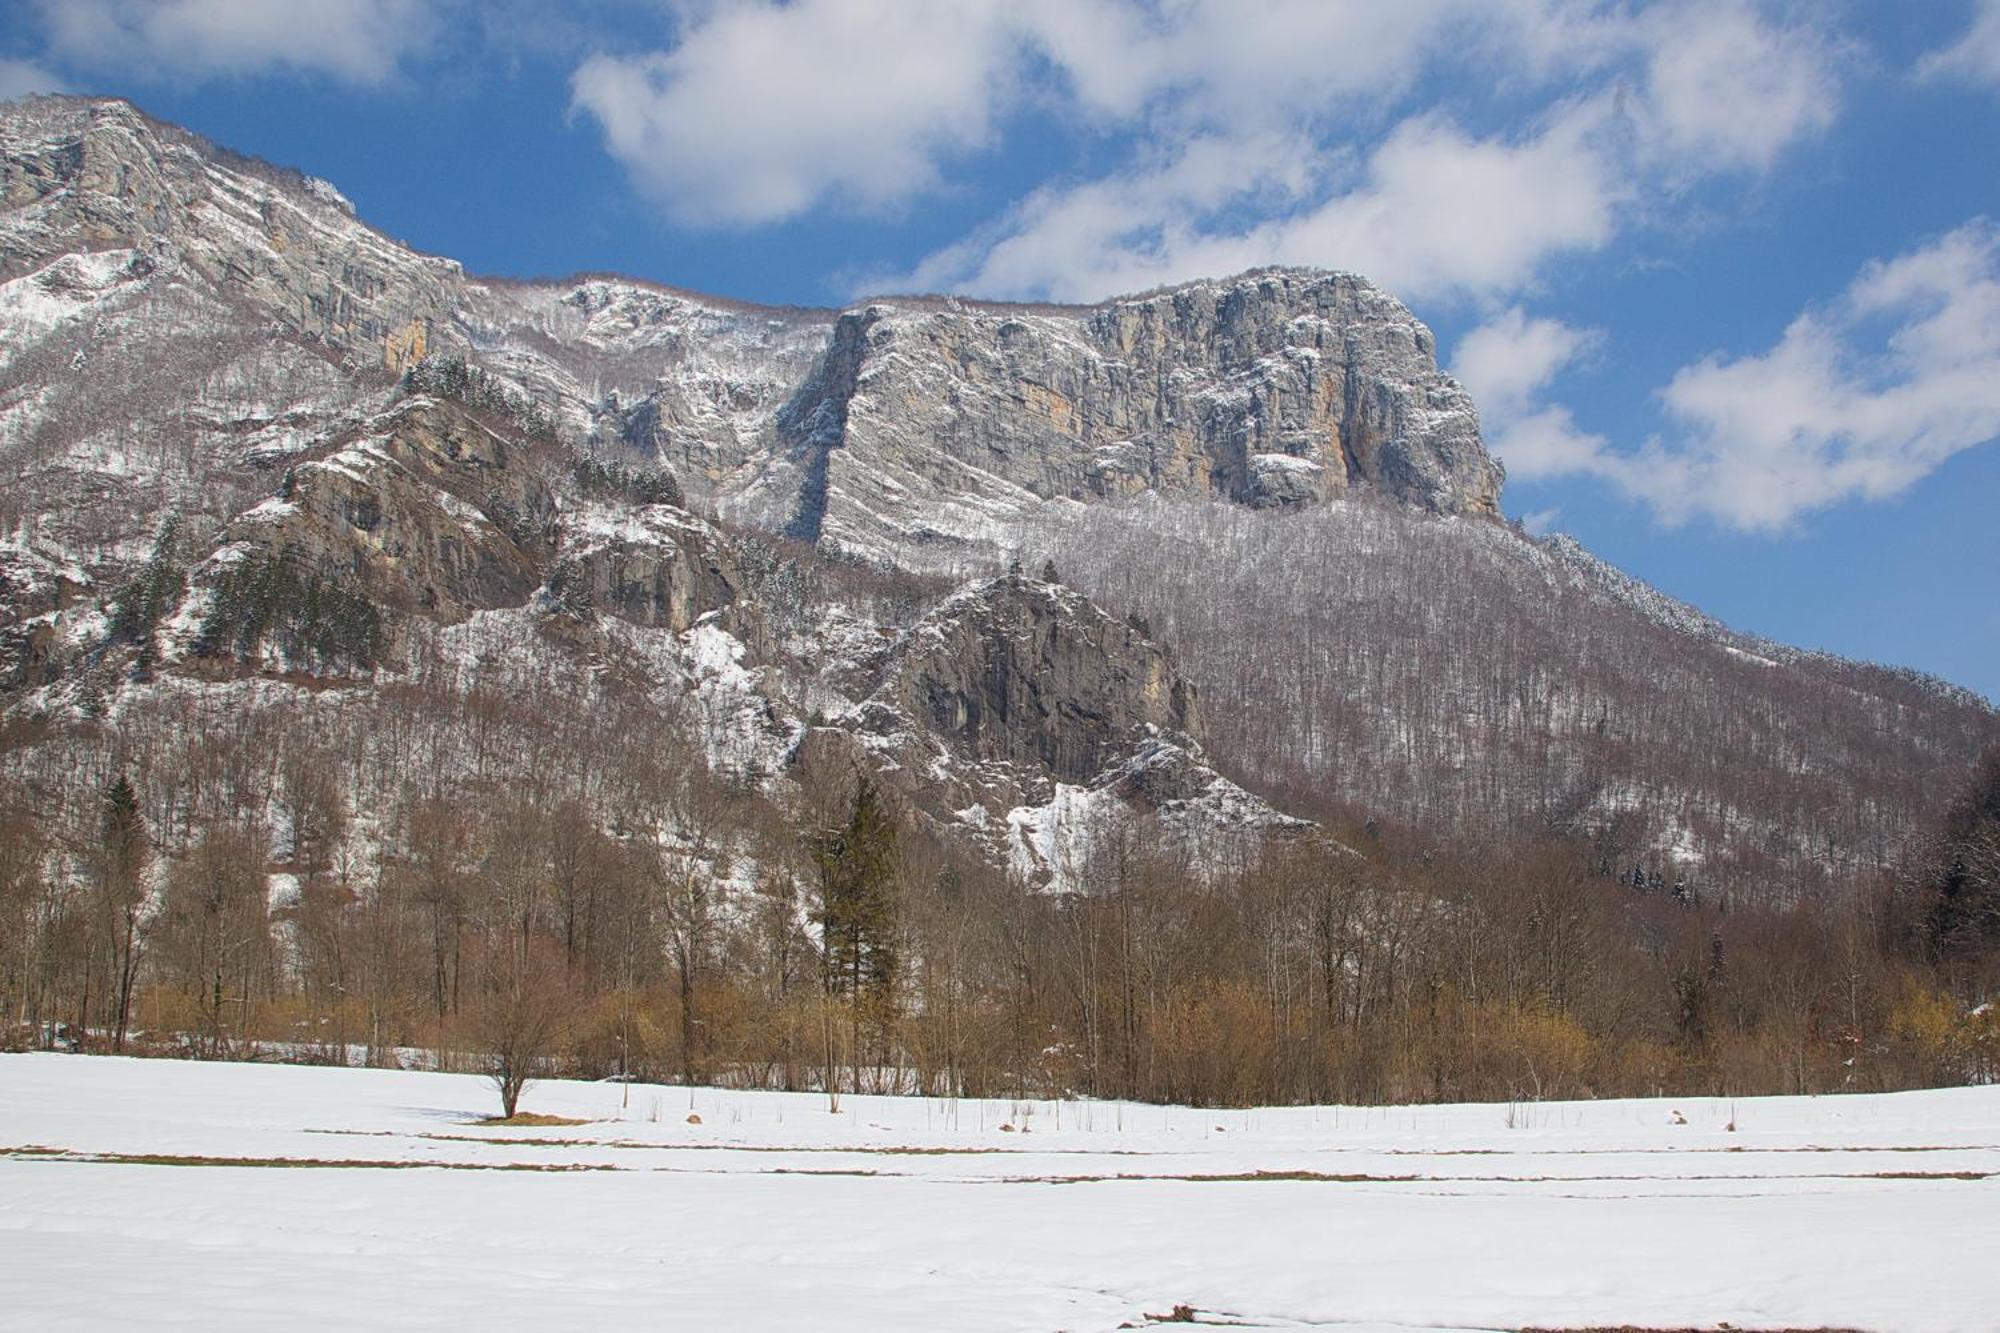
(35, 304)
(739, 729)
(924, 1214)
(327, 193)
(1051, 844)
(1754, 658)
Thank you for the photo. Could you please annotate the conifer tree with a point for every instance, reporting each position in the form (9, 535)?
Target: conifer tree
(121, 893)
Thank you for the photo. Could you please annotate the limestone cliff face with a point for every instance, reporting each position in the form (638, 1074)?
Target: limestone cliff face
(1020, 672)
(434, 511)
(1001, 694)
(654, 566)
(926, 424)
(903, 431)
(1018, 716)
(427, 511)
(100, 175)
(1273, 389)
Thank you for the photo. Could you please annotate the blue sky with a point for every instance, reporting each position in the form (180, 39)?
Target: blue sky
(1723, 274)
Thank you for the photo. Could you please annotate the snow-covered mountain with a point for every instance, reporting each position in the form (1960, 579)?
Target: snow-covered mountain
(259, 454)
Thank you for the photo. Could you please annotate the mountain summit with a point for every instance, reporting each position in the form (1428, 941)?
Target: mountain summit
(261, 454)
(897, 429)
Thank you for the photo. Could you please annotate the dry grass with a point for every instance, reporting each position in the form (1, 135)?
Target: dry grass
(529, 1120)
(34, 1153)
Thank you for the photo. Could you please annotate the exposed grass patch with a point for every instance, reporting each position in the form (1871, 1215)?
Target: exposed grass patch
(34, 1153)
(1363, 1178)
(529, 1120)
(1232, 1177)
(857, 1150)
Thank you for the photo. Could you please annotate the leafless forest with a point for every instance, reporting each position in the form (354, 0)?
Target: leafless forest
(1370, 663)
(523, 856)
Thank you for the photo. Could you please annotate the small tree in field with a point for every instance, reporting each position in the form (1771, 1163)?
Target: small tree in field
(522, 1016)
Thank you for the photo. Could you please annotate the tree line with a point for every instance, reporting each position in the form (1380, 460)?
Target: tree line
(502, 866)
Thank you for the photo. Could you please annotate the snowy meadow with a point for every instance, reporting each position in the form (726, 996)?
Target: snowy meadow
(239, 1196)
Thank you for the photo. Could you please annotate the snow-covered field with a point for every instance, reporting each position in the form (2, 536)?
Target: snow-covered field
(275, 1197)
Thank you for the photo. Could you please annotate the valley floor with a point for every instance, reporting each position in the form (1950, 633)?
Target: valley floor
(225, 1196)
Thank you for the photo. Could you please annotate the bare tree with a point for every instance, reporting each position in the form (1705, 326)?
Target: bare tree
(523, 1012)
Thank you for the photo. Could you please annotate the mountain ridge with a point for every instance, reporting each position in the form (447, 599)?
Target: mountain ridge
(628, 474)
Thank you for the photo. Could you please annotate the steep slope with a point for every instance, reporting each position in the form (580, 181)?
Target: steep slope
(929, 425)
(224, 478)
(1463, 676)
(902, 431)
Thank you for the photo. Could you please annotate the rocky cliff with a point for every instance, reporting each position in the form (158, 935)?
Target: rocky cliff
(910, 431)
(929, 424)
(254, 446)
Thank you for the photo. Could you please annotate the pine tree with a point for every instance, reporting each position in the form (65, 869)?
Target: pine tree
(857, 864)
(121, 890)
(152, 592)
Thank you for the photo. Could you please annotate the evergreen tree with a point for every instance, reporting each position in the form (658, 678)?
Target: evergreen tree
(156, 589)
(858, 863)
(121, 889)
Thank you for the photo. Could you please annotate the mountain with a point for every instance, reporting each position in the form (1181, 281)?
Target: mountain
(268, 464)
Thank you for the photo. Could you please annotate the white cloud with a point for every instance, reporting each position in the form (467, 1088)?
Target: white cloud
(1507, 363)
(357, 41)
(1724, 89)
(1838, 410)
(1430, 212)
(18, 78)
(1217, 62)
(763, 110)
(1509, 359)
(1441, 213)
(1541, 522)
(1975, 56)
(1129, 231)
(1671, 95)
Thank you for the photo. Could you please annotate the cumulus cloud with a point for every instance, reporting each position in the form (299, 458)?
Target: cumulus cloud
(1216, 62)
(18, 78)
(1860, 399)
(1507, 363)
(1724, 88)
(356, 41)
(763, 110)
(1431, 211)
(1976, 55)
(1659, 99)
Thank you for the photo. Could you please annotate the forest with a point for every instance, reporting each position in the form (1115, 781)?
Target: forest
(508, 861)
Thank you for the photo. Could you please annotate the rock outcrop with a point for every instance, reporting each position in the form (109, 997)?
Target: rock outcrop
(653, 565)
(426, 511)
(1018, 715)
(100, 175)
(908, 431)
(928, 424)
(1030, 675)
